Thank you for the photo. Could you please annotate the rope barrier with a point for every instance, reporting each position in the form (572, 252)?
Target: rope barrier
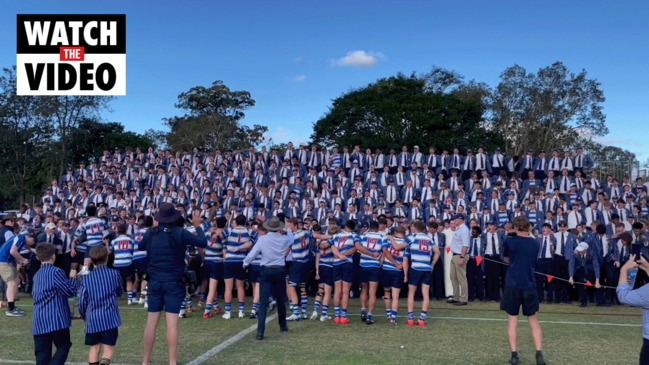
(549, 277)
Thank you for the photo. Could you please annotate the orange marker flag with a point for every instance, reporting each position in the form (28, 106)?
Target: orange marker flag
(478, 260)
(550, 277)
(588, 283)
(448, 250)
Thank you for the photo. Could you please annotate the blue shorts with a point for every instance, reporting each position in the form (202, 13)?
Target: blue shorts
(370, 274)
(213, 270)
(108, 337)
(139, 267)
(78, 258)
(165, 295)
(298, 273)
(416, 277)
(234, 270)
(126, 272)
(253, 273)
(344, 272)
(326, 275)
(392, 279)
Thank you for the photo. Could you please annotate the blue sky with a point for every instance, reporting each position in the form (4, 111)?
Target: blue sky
(296, 56)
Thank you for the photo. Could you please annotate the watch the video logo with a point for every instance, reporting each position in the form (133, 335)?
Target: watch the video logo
(71, 54)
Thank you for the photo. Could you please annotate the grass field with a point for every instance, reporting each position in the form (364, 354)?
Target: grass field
(474, 334)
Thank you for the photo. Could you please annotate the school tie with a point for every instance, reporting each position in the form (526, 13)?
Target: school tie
(563, 242)
(545, 247)
(494, 251)
(565, 183)
(455, 162)
(474, 250)
(64, 249)
(483, 164)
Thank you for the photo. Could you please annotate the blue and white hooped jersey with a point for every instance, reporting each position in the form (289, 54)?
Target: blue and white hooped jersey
(419, 251)
(373, 242)
(397, 255)
(344, 241)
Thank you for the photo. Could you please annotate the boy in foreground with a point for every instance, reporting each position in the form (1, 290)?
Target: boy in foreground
(52, 320)
(521, 252)
(98, 306)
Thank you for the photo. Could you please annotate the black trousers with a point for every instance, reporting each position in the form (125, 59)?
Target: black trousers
(474, 279)
(545, 267)
(560, 269)
(644, 352)
(438, 279)
(43, 347)
(492, 276)
(272, 281)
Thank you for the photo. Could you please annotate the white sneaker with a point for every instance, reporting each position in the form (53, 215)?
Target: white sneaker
(293, 317)
(146, 304)
(304, 316)
(241, 314)
(141, 301)
(325, 318)
(130, 302)
(314, 315)
(84, 271)
(226, 315)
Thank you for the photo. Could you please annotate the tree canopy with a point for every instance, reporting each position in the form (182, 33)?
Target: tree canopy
(550, 109)
(213, 120)
(404, 110)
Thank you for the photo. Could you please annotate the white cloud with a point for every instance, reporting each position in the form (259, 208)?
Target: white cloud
(359, 58)
(299, 78)
(297, 59)
(283, 135)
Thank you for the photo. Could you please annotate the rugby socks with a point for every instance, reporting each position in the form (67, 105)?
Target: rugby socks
(423, 315)
(325, 309)
(316, 306)
(241, 306)
(363, 312)
(202, 297)
(304, 301)
(296, 310)
(411, 315)
(208, 307)
(393, 315)
(388, 312)
(337, 311)
(255, 307)
(131, 296)
(215, 303)
(343, 313)
(228, 307)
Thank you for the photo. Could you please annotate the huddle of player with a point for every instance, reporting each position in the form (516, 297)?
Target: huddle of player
(393, 260)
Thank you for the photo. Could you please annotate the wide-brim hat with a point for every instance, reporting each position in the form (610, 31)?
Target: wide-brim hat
(167, 213)
(273, 225)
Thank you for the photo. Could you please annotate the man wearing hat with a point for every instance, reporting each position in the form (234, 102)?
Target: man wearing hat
(271, 247)
(459, 248)
(584, 269)
(165, 247)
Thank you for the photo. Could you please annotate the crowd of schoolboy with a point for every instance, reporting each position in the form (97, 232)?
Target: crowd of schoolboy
(318, 190)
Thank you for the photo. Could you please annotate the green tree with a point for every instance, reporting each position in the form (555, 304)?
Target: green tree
(213, 120)
(404, 110)
(550, 109)
(92, 137)
(24, 140)
(612, 160)
(65, 113)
